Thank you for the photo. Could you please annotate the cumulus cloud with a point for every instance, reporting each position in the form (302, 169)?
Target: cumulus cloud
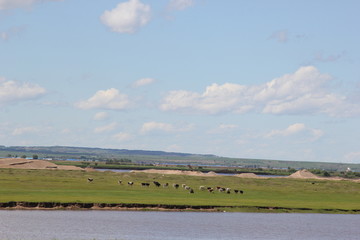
(296, 129)
(290, 130)
(101, 116)
(12, 91)
(302, 92)
(164, 127)
(178, 5)
(106, 99)
(143, 82)
(127, 17)
(10, 4)
(107, 128)
(121, 136)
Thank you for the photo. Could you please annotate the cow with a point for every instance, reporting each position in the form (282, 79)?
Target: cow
(187, 187)
(183, 185)
(130, 183)
(241, 191)
(202, 188)
(211, 190)
(145, 184)
(228, 190)
(165, 185)
(175, 185)
(236, 191)
(191, 190)
(120, 182)
(157, 183)
(90, 180)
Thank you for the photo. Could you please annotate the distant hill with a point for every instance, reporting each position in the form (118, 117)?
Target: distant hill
(145, 156)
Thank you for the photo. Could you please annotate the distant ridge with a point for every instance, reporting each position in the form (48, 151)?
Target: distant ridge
(162, 157)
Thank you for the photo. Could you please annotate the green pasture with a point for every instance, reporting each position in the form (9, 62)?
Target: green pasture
(72, 186)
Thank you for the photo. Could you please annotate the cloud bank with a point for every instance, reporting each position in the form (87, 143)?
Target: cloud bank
(302, 92)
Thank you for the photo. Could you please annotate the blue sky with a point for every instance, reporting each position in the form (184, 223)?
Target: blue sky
(253, 79)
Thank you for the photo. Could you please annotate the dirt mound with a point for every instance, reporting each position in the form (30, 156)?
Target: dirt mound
(303, 174)
(247, 175)
(32, 164)
(177, 172)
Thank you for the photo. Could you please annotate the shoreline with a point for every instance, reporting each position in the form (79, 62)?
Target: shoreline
(76, 206)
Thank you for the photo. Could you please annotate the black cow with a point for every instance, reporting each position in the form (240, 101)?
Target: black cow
(157, 183)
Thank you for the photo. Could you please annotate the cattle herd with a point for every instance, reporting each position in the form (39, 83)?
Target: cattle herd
(184, 186)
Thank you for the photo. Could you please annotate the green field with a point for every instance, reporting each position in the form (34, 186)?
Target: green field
(72, 186)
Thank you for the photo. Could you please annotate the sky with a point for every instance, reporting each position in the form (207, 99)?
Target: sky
(247, 79)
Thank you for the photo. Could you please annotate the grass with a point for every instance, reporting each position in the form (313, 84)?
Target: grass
(72, 186)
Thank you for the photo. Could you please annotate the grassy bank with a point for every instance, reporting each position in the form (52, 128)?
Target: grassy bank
(264, 195)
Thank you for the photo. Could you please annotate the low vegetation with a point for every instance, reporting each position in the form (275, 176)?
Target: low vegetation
(271, 194)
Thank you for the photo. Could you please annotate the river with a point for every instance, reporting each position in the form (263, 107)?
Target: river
(134, 225)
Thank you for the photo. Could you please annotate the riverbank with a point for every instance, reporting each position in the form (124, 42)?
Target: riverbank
(162, 207)
(58, 189)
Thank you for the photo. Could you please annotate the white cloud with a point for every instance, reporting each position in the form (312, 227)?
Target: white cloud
(177, 5)
(302, 92)
(24, 130)
(106, 99)
(352, 157)
(9, 4)
(296, 129)
(164, 127)
(321, 57)
(101, 116)
(280, 36)
(143, 82)
(106, 128)
(290, 130)
(12, 92)
(122, 136)
(127, 17)
(9, 33)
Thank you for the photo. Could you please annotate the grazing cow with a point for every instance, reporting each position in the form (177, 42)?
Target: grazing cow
(130, 183)
(183, 185)
(175, 185)
(236, 191)
(202, 188)
(241, 191)
(211, 190)
(165, 185)
(120, 182)
(221, 189)
(145, 184)
(90, 179)
(228, 190)
(187, 187)
(191, 190)
(157, 183)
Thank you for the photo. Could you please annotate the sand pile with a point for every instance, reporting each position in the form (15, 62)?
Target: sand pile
(32, 164)
(247, 175)
(177, 172)
(303, 174)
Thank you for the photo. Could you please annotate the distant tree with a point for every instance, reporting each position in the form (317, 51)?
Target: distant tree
(23, 156)
(326, 174)
(9, 155)
(35, 156)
